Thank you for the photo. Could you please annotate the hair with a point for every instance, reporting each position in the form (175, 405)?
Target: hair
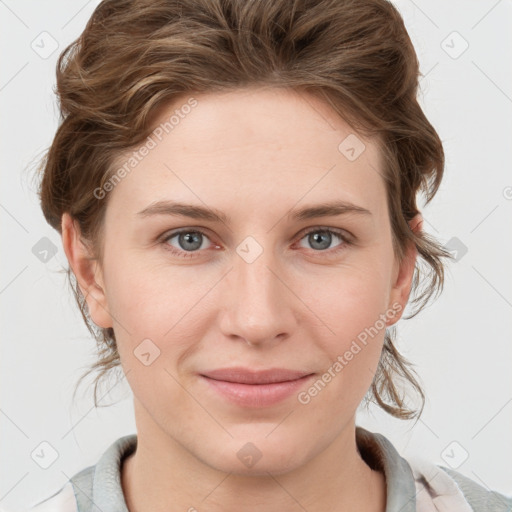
(134, 57)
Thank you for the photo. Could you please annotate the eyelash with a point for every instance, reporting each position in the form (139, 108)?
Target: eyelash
(190, 254)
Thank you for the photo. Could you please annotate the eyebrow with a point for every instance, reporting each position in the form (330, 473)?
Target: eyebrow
(173, 208)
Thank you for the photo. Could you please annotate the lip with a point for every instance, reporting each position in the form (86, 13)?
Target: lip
(250, 388)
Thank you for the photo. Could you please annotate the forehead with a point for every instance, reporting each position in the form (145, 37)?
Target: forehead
(252, 147)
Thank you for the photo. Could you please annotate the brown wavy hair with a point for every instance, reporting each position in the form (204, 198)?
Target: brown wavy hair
(134, 57)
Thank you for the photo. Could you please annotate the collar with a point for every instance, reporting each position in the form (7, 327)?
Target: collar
(380, 454)
(376, 450)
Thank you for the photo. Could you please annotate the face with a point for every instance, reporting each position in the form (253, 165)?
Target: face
(263, 286)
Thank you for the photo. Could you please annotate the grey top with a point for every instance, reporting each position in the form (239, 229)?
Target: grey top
(411, 487)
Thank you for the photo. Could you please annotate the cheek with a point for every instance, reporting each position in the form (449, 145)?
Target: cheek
(150, 300)
(160, 318)
(351, 301)
(353, 307)
(153, 329)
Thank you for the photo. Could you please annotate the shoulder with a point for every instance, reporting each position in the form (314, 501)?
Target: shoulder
(74, 496)
(62, 501)
(451, 490)
(478, 496)
(102, 480)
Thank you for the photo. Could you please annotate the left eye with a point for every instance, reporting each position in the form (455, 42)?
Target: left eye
(321, 239)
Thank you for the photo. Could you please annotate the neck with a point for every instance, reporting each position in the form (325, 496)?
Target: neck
(163, 476)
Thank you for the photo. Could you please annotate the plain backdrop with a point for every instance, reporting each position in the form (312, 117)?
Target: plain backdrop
(461, 344)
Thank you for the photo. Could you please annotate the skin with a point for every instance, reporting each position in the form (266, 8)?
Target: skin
(255, 154)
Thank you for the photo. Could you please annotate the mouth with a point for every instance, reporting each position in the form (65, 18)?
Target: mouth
(249, 388)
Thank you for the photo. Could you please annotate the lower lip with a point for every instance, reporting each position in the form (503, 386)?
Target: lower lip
(257, 395)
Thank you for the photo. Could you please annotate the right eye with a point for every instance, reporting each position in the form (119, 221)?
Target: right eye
(188, 242)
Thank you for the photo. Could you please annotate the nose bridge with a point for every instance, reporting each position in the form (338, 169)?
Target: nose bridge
(260, 307)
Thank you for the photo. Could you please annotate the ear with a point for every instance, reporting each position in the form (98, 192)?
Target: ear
(87, 271)
(403, 275)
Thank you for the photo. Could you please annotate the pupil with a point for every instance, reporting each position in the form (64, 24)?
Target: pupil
(188, 238)
(317, 238)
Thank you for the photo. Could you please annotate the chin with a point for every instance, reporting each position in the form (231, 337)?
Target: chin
(256, 453)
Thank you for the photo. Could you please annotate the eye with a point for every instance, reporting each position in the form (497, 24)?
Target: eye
(191, 241)
(188, 242)
(321, 238)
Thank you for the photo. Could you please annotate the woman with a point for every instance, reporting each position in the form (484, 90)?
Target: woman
(208, 151)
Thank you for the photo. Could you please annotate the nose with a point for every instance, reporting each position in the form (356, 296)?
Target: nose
(258, 302)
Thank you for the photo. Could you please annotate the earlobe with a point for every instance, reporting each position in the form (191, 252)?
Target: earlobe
(402, 286)
(87, 272)
(416, 223)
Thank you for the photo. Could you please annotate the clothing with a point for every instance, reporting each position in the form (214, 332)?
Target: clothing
(418, 486)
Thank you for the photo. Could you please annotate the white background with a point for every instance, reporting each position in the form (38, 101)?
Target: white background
(461, 345)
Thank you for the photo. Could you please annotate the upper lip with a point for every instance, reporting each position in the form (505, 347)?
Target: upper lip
(248, 376)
